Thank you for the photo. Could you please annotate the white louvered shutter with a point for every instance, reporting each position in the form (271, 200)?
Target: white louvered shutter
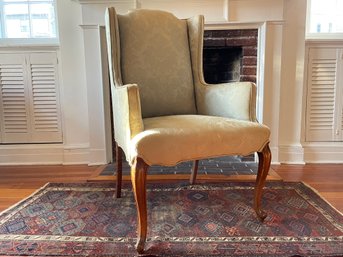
(339, 99)
(30, 109)
(45, 105)
(324, 103)
(14, 99)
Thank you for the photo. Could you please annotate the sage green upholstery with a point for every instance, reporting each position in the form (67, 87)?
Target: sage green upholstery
(164, 112)
(167, 140)
(146, 58)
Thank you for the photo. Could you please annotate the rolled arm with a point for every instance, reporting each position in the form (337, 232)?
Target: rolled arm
(127, 115)
(235, 100)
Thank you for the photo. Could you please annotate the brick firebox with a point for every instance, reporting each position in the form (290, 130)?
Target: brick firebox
(230, 55)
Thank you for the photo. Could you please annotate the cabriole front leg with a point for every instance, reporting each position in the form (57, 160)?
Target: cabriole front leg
(263, 168)
(138, 179)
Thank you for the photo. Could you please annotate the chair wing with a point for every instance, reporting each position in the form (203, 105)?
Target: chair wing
(232, 100)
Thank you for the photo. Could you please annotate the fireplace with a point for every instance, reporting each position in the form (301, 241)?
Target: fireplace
(230, 55)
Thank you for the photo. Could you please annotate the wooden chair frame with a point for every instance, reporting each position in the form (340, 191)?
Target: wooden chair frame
(138, 178)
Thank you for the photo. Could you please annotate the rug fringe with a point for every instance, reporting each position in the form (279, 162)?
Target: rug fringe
(318, 193)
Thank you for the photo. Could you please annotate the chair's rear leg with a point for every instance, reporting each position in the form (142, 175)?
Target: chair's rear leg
(119, 169)
(194, 172)
(138, 179)
(263, 168)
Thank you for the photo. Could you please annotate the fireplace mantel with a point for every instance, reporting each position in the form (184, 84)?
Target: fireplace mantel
(215, 11)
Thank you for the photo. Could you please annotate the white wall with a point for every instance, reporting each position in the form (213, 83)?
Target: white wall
(73, 82)
(73, 96)
(292, 82)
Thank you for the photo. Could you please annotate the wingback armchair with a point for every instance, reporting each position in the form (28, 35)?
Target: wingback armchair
(165, 113)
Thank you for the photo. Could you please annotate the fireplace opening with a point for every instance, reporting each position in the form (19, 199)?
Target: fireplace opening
(222, 64)
(230, 55)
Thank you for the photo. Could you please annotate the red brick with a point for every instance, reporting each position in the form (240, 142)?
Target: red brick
(249, 32)
(249, 51)
(249, 60)
(249, 70)
(208, 33)
(214, 42)
(223, 33)
(243, 41)
(250, 78)
(235, 33)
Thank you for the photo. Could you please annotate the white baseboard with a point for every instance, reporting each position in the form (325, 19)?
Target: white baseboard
(97, 157)
(31, 154)
(323, 152)
(49, 154)
(314, 152)
(76, 154)
(291, 154)
(275, 154)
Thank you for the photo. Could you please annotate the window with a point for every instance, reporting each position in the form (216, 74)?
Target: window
(28, 19)
(325, 19)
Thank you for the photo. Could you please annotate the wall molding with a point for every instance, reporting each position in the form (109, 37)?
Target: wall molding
(315, 152)
(44, 154)
(291, 154)
(323, 152)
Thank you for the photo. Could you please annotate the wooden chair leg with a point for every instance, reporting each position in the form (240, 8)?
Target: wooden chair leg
(138, 179)
(263, 169)
(194, 172)
(119, 169)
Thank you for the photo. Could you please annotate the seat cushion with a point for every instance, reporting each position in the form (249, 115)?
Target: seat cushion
(169, 140)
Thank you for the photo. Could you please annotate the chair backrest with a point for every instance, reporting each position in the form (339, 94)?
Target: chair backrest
(155, 55)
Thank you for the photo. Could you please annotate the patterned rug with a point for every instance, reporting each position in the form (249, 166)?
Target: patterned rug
(202, 220)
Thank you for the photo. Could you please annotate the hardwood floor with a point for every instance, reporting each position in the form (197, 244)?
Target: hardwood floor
(327, 179)
(18, 182)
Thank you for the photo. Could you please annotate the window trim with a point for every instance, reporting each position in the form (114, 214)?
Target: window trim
(318, 36)
(9, 42)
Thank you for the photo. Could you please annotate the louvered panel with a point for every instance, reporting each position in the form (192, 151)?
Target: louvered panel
(13, 100)
(44, 98)
(321, 94)
(46, 121)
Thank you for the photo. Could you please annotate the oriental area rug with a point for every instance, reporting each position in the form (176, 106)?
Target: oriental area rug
(212, 219)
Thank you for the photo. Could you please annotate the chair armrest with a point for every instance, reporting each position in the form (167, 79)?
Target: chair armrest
(127, 115)
(235, 100)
